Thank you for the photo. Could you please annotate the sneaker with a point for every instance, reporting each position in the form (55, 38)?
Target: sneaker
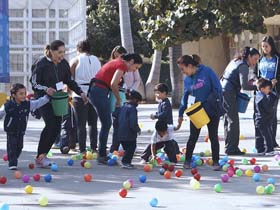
(13, 168)
(235, 153)
(272, 153)
(127, 165)
(277, 147)
(261, 153)
(187, 165)
(216, 167)
(103, 160)
(143, 162)
(43, 162)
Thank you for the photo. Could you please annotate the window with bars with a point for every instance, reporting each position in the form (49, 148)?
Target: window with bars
(38, 13)
(16, 37)
(40, 25)
(52, 24)
(63, 36)
(16, 12)
(63, 24)
(16, 63)
(16, 24)
(38, 38)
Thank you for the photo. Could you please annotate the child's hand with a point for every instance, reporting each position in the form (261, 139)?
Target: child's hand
(152, 116)
(273, 81)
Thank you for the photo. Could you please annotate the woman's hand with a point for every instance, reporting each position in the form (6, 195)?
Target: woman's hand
(50, 91)
(273, 81)
(84, 98)
(180, 120)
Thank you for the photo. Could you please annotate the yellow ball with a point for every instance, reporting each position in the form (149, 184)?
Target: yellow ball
(43, 201)
(73, 157)
(241, 137)
(207, 152)
(244, 150)
(140, 125)
(195, 184)
(94, 155)
(249, 172)
(89, 155)
(87, 165)
(28, 189)
(260, 190)
(127, 185)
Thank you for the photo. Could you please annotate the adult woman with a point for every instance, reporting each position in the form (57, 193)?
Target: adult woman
(50, 74)
(234, 79)
(268, 67)
(107, 79)
(200, 85)
(83, 67)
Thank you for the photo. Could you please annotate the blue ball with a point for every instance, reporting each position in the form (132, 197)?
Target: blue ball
(54, 167)
(4, 206)
(70, 162)
(271, 181)
(256, 177)
(114, 157)
(154, 202)
(193, 165)
(142, 178)
(48, 178)
(225, 159)
(161, 171)
(222, 162)
(111, 162)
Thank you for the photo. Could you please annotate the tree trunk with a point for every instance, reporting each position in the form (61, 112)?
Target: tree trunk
(176, 75)
(154, 75)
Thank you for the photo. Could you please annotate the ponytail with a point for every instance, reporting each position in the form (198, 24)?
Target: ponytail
(187, 59)
(246, 51)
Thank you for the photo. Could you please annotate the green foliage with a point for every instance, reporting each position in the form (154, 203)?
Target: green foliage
(103, 28)
(171, 22)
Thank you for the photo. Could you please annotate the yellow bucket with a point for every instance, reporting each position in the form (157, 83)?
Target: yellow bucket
(197, 115)
(3, 98)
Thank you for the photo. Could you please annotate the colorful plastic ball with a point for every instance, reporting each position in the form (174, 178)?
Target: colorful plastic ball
(123, 192)
(73, 157)
(154, 202)
(171, 167)
(207, 152)
(179, 173)
(43, 201)
(182, 158)
(121, 153)
(49, 155)
(165, 166)
(225, 167)
(249, 172)
(83, 163)
(70, 162)
(167, 174)
(5, 157)
(54, 167)
(193, 165)
(31, 165)
(231, 162)
(271, 181)
(256, 177)
(230, 173)
(244, 161)
(126, 185)
(131, 182)
(198, 162)
(197, 176)
(265, 167)
(79, 156)
(4, 206)
(111, 162)
(36, 177)
(87, 178)
(193, 171)
(218, 188)
(89, 155)
(147, 168)
(3, 180)
(87, 165)
(48, 178)
(241, 137)
(260, 190)
(257, 169)
(253, 161)
(268, 189)
(244, 150)
(142, 178)
(94, 156)
(273, 187)
(17, 174)
(238, 172)
(25, 178)
(161, 171)
(201, 154)
(28, 189)
(279, 163)
(209, 161)
(224, 178)
(194, 184)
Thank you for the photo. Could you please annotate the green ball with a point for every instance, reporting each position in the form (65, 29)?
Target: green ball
(273, 187)
(153, 163)
(238, 172)
(279, 162)
(268, 189)
(198, 162)
(182, 158)
(89, 149)
(79, 156)
(218, 188)
(49, 154)
(225, 167)
(244, 161)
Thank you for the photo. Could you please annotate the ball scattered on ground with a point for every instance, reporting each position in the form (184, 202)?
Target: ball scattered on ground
(4, 206)
(48, 178)
(25, 178)
(238, 172)
(224, 177)
(87, 177)
(17, 174)
(249, 172)
(5, 157)
(270, 181)
(54, 167)
(194, 184)
(179, 173)
(36, 177)
(123, 192)
(70, 162)
(260, 190)
(28, 189)
(3, 180)
(154, 202)
(218, 188)
(257, 169)
(87, 165)
(142, 178)
(126, 185)
(265, 167)
(256, 177)
(31, 165)
(43, 201)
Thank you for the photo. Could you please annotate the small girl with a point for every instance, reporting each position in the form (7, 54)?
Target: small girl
(16, 112)
(127, 126)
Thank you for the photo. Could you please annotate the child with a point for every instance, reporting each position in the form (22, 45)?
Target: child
(127, 126)
(264, 103)
(164, 112)
(163, 136)
(16, 113)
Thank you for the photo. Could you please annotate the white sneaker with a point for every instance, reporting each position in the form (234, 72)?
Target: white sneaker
(261, 153)
(13, 168)
(142, 161)
(272, 153)
(43, 162)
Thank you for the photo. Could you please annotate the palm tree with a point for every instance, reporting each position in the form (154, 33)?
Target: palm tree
(175, 74)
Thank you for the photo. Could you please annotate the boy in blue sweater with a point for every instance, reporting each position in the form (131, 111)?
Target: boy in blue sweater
(264, 106)
(16, 113)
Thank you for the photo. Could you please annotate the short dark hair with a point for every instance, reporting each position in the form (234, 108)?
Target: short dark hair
(136, 58)
(161, 87)
(133, 95)
(161, 126)
(84, 46)
(262, 83)
(187, 59)
(15, 88)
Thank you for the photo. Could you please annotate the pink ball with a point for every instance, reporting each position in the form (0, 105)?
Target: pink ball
(224, 178)
(131, 182)
(25, 178)
(257, 169)
(5, 157)
(277, 157)
(230, 173)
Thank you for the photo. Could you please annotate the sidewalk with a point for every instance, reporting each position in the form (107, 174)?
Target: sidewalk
(69, 191)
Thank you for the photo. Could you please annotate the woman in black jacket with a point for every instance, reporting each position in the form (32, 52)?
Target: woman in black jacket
(50, 74)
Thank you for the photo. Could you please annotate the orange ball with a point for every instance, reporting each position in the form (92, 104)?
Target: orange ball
(178, 157)
(116, 153)
(147, 168)
(17, 174)
(209, 161)
(179, 173)
(167, 174)
(87, 178)
(264, 167)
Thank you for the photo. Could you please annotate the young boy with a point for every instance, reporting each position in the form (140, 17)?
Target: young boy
(16, 113)
(264, 102)
(127, 126)
(164, 112)
(163, 136)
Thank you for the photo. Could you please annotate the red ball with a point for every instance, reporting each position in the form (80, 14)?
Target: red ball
(3, 180)
(87, 178)
(165, 166)
(158, 160)
(121, 153)
(197, 176)
(5, 157)
(253, 161)
(123, 192)
(31, 165)
(147, 168)
(231, 162)
(179, 173)
(36, 177)
(193, 171)
(83, 163)
(167, 174)
(171, 168)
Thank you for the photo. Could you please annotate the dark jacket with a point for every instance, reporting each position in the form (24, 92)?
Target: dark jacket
(277, 74)
(164, 112)
(264, 108)
(16, 117)
(128, 122)
(46, 74)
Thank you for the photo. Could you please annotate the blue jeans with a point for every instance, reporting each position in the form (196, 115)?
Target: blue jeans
(99, 99)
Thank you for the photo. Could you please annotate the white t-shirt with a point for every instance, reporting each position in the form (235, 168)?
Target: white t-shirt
(86, 69)
(167, 137)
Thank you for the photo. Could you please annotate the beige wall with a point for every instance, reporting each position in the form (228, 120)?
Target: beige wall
(213, 53)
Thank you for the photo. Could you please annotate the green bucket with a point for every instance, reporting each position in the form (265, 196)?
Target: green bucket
(60, 103)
